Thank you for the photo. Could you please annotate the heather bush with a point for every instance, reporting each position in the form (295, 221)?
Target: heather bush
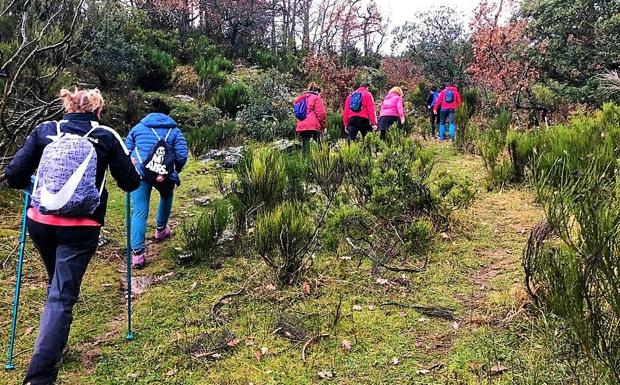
(200, 238)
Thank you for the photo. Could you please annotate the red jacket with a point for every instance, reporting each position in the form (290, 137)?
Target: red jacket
(368, 108)
(316, 118)
(456, 103)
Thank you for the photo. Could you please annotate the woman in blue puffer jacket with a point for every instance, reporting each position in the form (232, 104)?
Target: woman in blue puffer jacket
(140, 141)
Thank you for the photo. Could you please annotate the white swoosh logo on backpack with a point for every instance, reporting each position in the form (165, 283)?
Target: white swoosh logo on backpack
(55, 201)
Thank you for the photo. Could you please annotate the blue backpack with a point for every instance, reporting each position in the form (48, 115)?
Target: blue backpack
(449, 96)
(435, 97)
(356, 101)
(301, 108)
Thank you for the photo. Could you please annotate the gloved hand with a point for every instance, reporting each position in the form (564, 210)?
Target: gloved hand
(28, 190)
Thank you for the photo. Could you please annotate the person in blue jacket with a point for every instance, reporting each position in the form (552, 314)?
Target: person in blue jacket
(140, 141)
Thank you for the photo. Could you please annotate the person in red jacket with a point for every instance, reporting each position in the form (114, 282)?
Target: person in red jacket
(448, 101)
(315, 121)
(359, 112)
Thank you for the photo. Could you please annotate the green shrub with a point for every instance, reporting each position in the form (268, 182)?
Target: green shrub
(200, 140)
(213, 72)
(418, 237)
(282, 238)
(185, 80)
(232, 97)
(466, 136)
(296, 167)
(571, 261)
(335, 127)
(326, 169)
(398, 202)
(260, 185)
(521, 147)
(158, 72)
(192, 117)
(491, 145)
(268, 113)
(199, 239)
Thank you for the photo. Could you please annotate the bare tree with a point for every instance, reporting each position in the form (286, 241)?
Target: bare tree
(45, 34)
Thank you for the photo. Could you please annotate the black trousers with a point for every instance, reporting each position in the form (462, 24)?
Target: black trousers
(434, 121)
(66, 252)
(358, 124)
(385, 122)
(308, 135)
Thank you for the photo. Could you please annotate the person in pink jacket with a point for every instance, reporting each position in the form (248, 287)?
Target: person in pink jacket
(448, 101)
(314, 123)
(392, 111)
(359, 113)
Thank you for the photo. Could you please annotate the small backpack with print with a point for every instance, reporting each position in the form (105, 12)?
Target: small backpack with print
(66, 180)
(159, 163)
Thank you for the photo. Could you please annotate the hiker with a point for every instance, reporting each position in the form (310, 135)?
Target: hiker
(392, 111)
(159, 151)
(449, 100)
(431, 101)
(311, 116)
(359, 112)
(68, 208)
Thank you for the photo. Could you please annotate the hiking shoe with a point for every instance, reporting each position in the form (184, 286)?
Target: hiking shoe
(162, 234)
(138, 259)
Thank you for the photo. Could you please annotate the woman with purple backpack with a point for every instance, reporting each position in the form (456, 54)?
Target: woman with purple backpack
(68, 208)
(311, 116)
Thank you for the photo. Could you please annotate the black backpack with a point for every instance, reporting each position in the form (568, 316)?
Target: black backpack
(159, 164)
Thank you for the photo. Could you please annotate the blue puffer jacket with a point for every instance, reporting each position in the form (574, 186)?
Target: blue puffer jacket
(141, 139)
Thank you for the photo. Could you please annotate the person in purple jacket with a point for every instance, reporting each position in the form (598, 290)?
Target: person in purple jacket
(140, 141)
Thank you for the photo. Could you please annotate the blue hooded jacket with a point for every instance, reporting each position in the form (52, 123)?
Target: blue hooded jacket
(141, 140)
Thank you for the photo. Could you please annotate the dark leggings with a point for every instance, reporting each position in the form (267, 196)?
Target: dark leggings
(434, 121)
(358, 124)
(385, 122)
(66, 252)
(306, 136)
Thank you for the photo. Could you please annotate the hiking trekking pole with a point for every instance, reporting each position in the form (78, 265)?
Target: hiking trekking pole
(18, 281)
(128, 252)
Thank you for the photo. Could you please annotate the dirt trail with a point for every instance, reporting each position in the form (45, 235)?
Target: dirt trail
(505, 218)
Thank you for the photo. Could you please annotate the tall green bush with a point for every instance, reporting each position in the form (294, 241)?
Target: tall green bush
(231, 98)
(200, 238)
(260, 185)
(282, 238)
(572, 265)
(158, 71)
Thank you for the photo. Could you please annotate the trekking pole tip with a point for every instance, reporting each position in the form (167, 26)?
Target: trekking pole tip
(129, 337)
(8, 367)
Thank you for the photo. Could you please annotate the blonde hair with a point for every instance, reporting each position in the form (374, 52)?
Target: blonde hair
(81, 100)
(397, 90)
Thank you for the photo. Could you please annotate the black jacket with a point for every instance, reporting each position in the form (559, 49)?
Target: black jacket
(111, 152)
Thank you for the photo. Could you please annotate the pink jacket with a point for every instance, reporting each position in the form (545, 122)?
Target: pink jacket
(368, 108)
(456, 103)
(316, 117)
(393, 106)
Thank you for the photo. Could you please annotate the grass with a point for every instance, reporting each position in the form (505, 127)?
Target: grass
(476, 272)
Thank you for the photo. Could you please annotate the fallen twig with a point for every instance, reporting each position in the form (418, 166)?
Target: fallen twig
(310, 341)
(431, 311)
(220, 302)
